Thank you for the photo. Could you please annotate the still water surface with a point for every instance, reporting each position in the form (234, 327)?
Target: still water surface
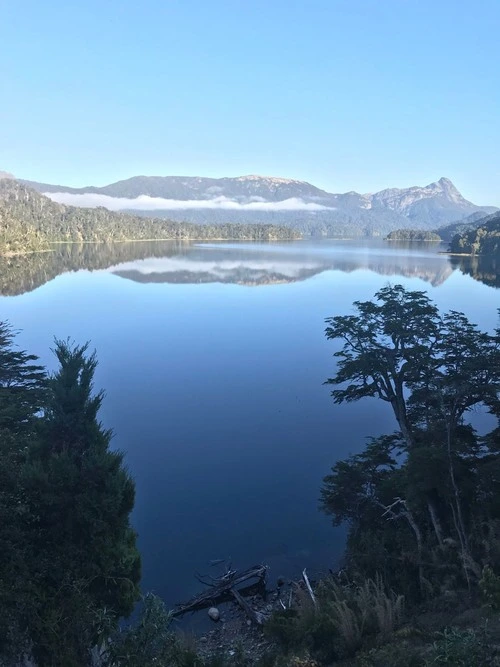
(213, 359)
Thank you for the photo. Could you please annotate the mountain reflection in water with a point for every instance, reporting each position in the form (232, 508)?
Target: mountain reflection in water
(215, 391)
(485, 269)
(236, 263)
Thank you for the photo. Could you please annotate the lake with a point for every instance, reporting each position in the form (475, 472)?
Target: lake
(213, 359)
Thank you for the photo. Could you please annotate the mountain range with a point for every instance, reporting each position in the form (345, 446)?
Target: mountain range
(31, 221)
(282, 201)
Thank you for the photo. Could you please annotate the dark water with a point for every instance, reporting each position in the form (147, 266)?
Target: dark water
(213, 359)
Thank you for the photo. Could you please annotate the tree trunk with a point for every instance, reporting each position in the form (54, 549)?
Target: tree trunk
(399, 408)
(418, 536)
(436, 523)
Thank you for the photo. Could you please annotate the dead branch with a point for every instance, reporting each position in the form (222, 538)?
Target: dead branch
(309, 587)
(221, 589)
(255, 616)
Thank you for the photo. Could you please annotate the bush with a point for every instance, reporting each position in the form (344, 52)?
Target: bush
(461, 648)
(150, 642)
(365, 610)
(392, 655)
(490, 588)
(339, 623)
(283, 628)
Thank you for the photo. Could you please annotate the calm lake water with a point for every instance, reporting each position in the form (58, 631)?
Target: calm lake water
(213, 359)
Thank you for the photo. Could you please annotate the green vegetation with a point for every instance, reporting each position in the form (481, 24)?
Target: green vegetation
(347, 215)
(30, 221)
(413, 235)
(69, 567)
(420, 583)
(421, 504)
(471, 222)
(484, 239)
(411, 498)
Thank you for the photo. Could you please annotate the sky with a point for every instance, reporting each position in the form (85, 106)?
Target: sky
(346, 94)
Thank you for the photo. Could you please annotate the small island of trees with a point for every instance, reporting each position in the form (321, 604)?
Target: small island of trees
(413, 235)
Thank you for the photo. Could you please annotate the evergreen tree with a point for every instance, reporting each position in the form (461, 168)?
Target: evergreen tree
(22, 389)
(88, 568)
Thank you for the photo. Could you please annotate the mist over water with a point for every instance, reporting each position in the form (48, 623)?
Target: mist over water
(213, 358)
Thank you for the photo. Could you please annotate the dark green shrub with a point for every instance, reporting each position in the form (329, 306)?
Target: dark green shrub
(392, 655)
(461, 648)
(490, 588)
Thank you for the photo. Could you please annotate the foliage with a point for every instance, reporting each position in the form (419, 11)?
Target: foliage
(83, 497)
(69, 567)
(343, 618)
(30, 221)
(362, 610)
(483, 239)
(283, 628)
(467, 224)
(398, 654)
(150, 641)
(413, 235)
(346, 215)
(22, 394)
(22, 385)
(461, 648)
(490, 588)
(420, 503)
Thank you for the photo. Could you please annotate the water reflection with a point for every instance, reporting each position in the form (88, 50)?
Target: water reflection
(24, 273)
(484, 269)
(216, 392)
(243, 264)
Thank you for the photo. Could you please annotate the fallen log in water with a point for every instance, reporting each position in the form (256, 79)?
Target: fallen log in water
(222, 589)
(255, 616)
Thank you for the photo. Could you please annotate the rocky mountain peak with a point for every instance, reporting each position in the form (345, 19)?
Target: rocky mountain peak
(448, 187)
(267, 179)
(252, 197)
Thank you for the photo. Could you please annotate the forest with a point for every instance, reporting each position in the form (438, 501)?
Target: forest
(413, 235)
(419, 584)
(30, 221)
(483, 239)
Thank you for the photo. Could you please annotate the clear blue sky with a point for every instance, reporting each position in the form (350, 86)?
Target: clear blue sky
(348, 94)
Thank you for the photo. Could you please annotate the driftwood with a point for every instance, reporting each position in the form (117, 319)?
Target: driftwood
(255, 616)
(222, 589)
(309, 587)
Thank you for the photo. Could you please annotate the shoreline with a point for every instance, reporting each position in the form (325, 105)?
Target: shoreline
(22, 253)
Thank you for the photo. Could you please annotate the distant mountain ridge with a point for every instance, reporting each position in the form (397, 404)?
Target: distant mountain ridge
(184, 188)
(30, 221)
(283, 201)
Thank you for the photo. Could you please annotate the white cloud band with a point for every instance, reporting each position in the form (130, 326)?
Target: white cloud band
(146, 203)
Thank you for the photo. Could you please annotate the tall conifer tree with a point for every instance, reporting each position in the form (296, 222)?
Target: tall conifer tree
(89, 567)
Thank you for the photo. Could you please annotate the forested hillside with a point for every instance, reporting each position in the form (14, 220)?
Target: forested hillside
(463, 225)
(484, 239)
(282, 201)
(30, 221)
